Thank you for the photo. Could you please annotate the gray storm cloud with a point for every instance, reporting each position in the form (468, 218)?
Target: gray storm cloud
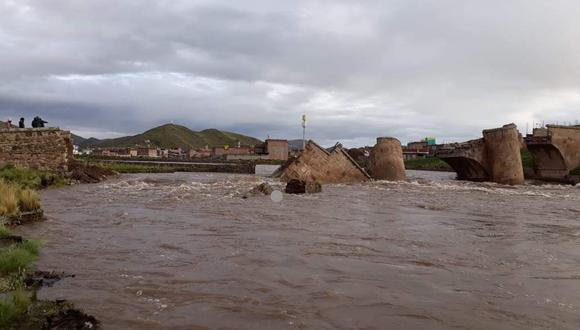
(359, 70)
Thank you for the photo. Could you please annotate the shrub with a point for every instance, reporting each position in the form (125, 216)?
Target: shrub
(14, 199)
(4, 232)
(13, 307)
(31, 246)
(28, 200)
(8, 199)
(16, 258)
(528, 159)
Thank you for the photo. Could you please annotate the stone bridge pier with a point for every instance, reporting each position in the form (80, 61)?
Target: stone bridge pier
(556, 150)
(386, 160)
(496, 157)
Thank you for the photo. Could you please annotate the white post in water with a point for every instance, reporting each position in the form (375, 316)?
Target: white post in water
(303, 131)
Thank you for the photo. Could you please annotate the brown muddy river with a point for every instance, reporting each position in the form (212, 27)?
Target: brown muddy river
(185, 251)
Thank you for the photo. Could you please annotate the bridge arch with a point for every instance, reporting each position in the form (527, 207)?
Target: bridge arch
(467, 168)
(549, 161)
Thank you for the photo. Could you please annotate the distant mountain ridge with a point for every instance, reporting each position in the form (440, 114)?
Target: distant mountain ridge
(172, 136)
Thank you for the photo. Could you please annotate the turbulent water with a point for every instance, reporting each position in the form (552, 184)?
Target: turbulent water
(185, 251)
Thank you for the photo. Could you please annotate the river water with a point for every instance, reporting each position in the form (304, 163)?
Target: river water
(185, 251)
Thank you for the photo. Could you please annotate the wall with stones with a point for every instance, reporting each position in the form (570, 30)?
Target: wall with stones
(567, 140)
(317, 164)
(36, 148)
(556, 150)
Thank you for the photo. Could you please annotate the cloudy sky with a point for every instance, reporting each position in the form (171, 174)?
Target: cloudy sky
(358, 69)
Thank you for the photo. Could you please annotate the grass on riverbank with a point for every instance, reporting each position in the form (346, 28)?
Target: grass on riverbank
(15, 199)
(576, 171)
(427, 164)
(15, 261)
(13, 307)
(435, 164)
(32, 179)
(18, 257)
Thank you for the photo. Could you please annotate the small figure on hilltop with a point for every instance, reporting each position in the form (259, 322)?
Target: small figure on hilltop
(37, 122)
(8, 123)
(21, 123)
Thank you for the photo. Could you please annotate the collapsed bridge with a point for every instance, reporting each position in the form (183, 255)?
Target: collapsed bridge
(496, 157)
(556, 150)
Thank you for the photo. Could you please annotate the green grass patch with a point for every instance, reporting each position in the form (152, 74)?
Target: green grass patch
(528, 160)
(4, 232)
(32, 179)
(32, 246)
(18, 257)
(576, 171)
(427, 164)
(13, 307)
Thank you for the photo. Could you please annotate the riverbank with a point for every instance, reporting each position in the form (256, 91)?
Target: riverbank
(427, 164)
(146, 166)
(436, 164)
(19, 280)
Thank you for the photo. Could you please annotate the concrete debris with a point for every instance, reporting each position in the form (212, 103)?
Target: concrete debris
(303, 187)
(263, 188)
(361, 157)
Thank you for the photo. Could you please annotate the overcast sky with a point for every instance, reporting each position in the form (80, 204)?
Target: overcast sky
(358, 69)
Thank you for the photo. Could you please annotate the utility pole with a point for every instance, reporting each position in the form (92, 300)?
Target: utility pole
(303, 131)
(526, 128)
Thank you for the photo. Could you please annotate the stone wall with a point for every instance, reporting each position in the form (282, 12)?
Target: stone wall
(36, 148)
(556, 150)
(318, 164)
(567, 139)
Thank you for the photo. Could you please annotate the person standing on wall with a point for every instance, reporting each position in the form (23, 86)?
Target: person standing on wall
(37, 122)
(9, 123)
(21, 123)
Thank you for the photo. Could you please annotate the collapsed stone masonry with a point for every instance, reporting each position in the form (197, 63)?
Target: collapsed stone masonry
(316, 164)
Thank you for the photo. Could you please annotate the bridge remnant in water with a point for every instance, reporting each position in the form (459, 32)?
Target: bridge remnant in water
(386, 160)
(496, 157)
(316, 164)
(556, 150)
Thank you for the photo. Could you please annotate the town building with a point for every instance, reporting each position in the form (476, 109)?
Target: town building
(147, 152)
(420, 149)
(277, 149)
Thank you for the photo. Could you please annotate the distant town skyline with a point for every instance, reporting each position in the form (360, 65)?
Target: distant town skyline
(407, 69)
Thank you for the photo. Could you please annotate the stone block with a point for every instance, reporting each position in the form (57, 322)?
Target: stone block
(295, 186)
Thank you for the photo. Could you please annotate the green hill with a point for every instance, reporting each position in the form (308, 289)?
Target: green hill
(173, 136)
